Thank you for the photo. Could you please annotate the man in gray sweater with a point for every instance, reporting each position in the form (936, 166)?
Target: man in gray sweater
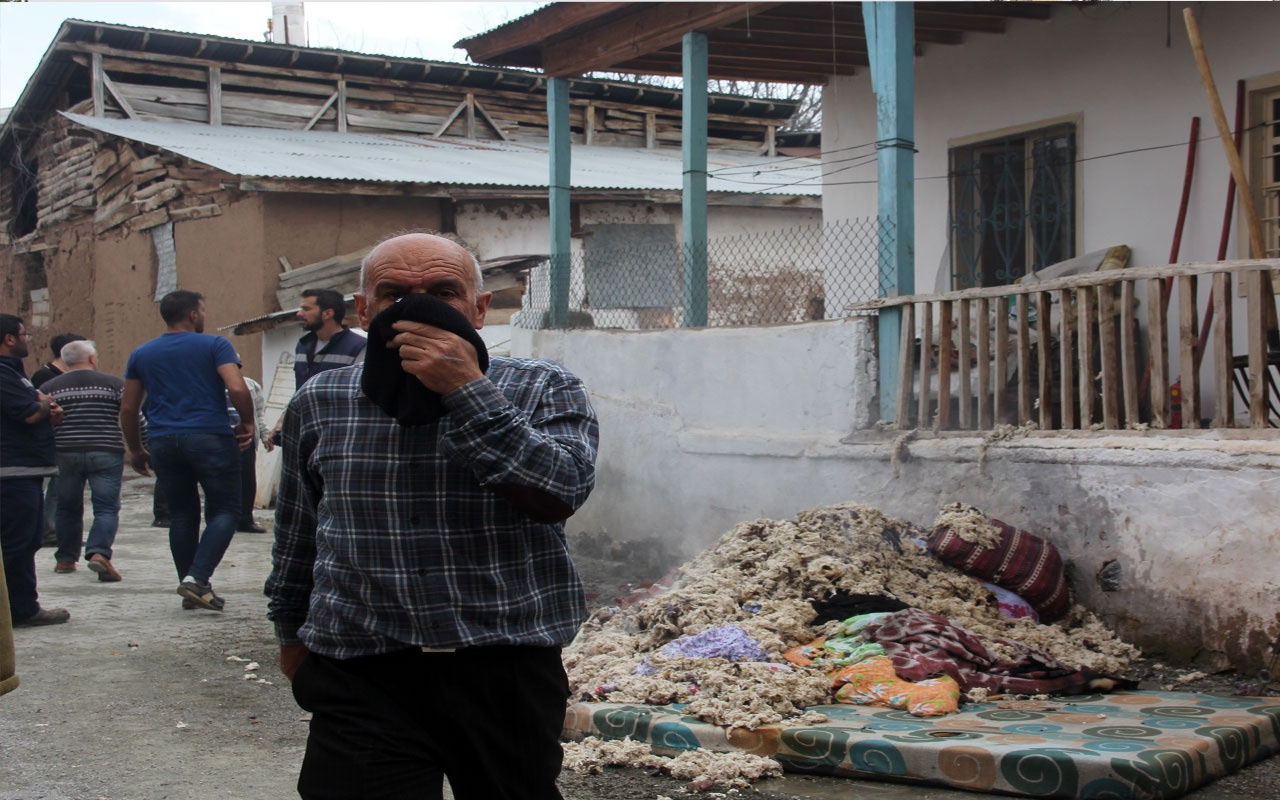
(90, 448)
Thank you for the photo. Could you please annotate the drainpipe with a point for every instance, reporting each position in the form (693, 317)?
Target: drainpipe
(890, 39)
(693, 208)
(558, 197)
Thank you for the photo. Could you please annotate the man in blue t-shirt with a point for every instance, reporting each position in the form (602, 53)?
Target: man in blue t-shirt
(186, 377)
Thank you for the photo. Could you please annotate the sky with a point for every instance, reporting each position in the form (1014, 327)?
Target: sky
(409, 29)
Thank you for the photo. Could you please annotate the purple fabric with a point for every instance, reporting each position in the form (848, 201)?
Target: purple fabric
(725, 641)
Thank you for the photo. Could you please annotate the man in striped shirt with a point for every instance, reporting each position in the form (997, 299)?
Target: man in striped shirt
(90, 449)
(421, 586)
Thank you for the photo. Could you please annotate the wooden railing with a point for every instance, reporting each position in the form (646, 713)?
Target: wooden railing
(1070, 353)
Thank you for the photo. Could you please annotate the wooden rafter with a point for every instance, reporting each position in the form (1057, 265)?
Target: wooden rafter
(646, 29)
(802, 42)
(556, 18)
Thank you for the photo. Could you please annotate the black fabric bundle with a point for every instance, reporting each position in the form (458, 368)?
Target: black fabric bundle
(840, 605)
(395, 391)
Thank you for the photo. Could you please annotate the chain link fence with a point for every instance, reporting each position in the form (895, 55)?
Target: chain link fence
(632, 277)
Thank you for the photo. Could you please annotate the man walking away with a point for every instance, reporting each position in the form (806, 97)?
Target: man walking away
(185, 377)
(27, 417)
(420, 557)
(50, 370)
(90, 448)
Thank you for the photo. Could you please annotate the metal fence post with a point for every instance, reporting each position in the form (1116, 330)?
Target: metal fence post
(558, 197)
(694, 199)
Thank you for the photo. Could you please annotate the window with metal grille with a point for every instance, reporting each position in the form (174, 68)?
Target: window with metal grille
(1013, 205)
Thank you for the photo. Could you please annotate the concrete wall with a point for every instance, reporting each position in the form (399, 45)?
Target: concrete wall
(701, 429)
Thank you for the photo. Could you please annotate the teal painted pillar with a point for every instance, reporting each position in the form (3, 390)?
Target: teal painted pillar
(890, 40)
(558, 196)
(693, 140)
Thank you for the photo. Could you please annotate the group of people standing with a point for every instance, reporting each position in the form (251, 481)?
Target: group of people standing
(65, 427)
(70, 425)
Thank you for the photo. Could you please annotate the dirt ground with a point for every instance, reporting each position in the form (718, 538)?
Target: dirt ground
(137, 699)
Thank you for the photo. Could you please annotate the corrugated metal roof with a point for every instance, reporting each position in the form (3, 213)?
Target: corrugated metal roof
(405, 158)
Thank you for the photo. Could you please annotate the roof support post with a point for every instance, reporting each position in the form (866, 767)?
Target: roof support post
(341, 94)
(97, 89)
(890, 40)
(693, 206)
(559, 192)
(215, 96)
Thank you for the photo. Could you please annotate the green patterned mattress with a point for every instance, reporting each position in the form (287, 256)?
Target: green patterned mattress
(1124, 745)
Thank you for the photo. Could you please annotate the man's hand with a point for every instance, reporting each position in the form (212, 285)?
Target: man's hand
(440, 360)
(245, 432)
(291, 657)
(55, 412)
(48, 409)
(270, 441)
(140, 460)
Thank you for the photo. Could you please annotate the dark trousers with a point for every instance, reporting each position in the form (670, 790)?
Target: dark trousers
(248, 484)
(393, 726)
(21, 534)
(159, 503)
(184, 465)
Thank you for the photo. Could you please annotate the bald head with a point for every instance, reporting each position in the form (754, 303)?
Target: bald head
(421, 263)
(418, 239)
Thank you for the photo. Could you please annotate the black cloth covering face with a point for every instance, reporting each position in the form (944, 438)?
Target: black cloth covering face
(395, 391)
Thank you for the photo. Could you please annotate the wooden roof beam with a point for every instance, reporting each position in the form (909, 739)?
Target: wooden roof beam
(650, 28)
(1018, 10)
(745, 71)
(533, 30)
(803, 32)
(948, 21)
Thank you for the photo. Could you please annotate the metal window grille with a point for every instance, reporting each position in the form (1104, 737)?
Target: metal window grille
(1012, 206)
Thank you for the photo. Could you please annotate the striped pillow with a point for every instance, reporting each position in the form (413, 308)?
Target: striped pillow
(1023, 563)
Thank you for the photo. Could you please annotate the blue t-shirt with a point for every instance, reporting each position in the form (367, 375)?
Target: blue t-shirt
(185, 393)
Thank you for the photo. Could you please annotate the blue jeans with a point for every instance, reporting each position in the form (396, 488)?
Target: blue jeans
(21, 531)
(210, 462)
(103, 471)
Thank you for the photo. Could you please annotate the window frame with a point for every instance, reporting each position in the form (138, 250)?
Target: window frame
(1261, 156)
(956, 270)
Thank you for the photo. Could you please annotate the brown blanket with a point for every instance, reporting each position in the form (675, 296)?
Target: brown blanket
(923, 644)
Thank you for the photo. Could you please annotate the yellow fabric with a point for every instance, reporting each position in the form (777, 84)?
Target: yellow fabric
(873, 682)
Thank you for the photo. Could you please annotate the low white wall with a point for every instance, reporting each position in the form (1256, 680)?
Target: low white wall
(701, 429)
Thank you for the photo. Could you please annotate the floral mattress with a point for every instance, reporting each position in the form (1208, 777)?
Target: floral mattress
(1124, 745)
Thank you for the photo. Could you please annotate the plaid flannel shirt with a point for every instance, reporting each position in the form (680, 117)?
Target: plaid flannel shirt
(388, 537)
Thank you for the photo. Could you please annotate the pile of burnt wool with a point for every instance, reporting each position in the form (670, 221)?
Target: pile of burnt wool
(763, 577)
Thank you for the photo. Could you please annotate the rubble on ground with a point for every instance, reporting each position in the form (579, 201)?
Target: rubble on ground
(762, 576)
(703, 769)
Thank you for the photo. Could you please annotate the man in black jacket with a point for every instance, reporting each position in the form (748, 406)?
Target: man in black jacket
(327, 343)
(27, 417)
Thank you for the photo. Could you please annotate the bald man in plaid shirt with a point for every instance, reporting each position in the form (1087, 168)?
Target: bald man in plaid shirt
(421, 585)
